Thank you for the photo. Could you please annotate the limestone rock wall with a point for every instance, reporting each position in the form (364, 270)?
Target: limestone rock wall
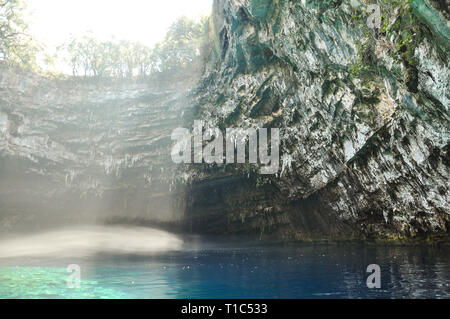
(77, 152)
(364, 116)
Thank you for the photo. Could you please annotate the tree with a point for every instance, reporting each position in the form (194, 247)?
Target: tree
(16, 45)
(184, 45)
(183, 48)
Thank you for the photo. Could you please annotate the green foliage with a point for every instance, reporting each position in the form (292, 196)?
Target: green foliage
(17, 47)
(90, 57)
(400, 31)
(185, 46)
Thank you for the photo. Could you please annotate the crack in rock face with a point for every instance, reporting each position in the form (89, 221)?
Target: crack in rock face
(363, 116)
(364, 155)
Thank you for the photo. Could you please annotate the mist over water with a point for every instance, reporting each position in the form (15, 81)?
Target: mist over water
(91, 240)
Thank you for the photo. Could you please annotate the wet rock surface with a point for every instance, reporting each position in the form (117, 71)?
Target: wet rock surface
(364, 121)
(77, 152)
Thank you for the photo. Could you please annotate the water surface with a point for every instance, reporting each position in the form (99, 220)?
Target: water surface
(198, 269)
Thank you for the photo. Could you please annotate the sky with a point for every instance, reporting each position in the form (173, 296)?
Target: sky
(53, 21)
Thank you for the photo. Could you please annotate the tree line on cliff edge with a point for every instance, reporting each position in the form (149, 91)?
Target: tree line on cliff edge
(17, 47)
(185, 47)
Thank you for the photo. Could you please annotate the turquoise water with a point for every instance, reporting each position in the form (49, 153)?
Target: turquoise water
(230, 271)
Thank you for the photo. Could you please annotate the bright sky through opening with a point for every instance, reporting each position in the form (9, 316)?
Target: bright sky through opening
(146, 21)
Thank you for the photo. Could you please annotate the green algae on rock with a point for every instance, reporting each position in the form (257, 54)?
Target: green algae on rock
(364, 154)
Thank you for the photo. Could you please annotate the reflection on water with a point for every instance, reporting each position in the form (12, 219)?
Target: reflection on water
(220, 271)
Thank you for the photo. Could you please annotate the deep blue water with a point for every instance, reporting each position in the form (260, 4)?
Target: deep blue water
(230, 271)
